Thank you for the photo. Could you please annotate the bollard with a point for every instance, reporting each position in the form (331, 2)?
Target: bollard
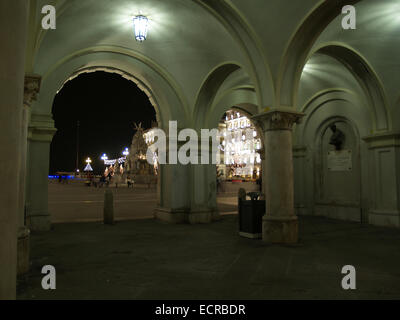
(108, 207)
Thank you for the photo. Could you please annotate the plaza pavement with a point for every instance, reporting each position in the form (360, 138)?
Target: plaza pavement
(147, 259)
(75, 202)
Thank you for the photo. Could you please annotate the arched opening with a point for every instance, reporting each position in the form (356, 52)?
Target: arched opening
(106, 106)
(99, 116)
(241, 154)
(338, 88)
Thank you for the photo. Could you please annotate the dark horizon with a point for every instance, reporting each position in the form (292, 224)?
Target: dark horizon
(106, 106)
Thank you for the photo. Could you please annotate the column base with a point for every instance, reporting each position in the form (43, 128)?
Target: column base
(182, 216)
(39, 223)
(23, 251)
(283, 230)
(169, 216)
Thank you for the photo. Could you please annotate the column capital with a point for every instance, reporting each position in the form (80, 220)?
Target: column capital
(31, 88)
(41, 128)
(278, 119)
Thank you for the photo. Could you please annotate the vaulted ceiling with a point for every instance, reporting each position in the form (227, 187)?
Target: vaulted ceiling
(269, 40)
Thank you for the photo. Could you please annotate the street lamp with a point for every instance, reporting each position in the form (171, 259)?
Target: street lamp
(104, 157)
(88, 161)
(126, 152)
(141, 24)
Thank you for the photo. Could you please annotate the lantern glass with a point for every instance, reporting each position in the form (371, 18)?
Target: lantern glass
(141, 26)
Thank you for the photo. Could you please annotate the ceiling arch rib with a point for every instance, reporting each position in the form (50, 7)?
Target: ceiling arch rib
(367, 78)
(242, 32)
(209, 90)
(299, 46)
(243, 98)
(128, 54)
(169, 104)
(340, 99)
(124, 74)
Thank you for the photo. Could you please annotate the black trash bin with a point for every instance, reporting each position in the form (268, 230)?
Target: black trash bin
(250, 216)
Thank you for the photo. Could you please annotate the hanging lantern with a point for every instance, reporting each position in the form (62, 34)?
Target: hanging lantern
(141, 26)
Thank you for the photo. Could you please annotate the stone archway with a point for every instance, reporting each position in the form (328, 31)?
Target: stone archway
(40, 136)
(220, 92)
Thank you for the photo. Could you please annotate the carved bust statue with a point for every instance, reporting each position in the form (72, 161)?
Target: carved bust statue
(337, 138)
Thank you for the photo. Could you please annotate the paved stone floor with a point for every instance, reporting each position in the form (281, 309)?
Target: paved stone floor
(147, 259)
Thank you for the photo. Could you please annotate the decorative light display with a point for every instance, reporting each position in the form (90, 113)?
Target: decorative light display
(112, 162)
(240, 146)
(88, 166)
(141, 24)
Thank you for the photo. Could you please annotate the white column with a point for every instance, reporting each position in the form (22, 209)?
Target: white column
(31, 89)
(173, 193)
(40, 135)
(203, 186)
(172, 189)
(280, 223)
(13, 30)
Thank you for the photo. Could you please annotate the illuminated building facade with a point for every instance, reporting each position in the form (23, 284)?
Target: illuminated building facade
(240, 145)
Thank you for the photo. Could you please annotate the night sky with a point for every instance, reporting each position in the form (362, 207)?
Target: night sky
(107, 106)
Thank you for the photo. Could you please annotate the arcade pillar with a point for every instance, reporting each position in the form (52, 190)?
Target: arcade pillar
(280, 223)
(31, 89)
(40, 134)
(13, 32)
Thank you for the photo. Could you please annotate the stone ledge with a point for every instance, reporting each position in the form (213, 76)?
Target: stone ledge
(383, 140)
(384, 218)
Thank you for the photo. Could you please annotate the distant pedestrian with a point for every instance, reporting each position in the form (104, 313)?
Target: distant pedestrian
(129, 181)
